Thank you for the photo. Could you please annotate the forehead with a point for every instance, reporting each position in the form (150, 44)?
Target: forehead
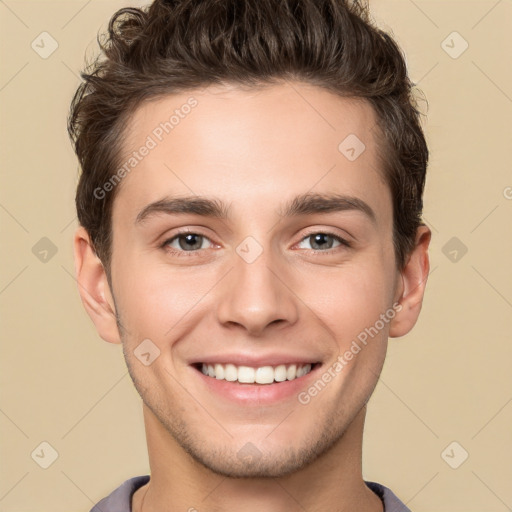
(251, 148)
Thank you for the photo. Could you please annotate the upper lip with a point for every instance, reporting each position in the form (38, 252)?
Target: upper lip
(256, 361)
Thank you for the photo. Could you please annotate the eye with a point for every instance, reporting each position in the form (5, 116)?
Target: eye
(190, 242)
(186, 241)
(324, 241)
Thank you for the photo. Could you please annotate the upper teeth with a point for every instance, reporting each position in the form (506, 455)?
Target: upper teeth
(261, 375)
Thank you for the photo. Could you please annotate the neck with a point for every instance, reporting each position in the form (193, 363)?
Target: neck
(178, 482)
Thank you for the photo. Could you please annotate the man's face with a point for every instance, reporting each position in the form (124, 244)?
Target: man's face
(261, 287)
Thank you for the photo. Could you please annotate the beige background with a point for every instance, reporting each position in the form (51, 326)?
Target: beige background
(449, 380)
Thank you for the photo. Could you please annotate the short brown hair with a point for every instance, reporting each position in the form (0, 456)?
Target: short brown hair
(173, 46)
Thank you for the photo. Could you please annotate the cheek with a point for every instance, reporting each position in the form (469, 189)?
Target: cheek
(156, 301)
(349, 299)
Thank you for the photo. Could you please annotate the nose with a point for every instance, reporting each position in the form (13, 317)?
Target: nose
(255, 295)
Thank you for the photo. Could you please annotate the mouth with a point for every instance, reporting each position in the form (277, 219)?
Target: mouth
(262, 375)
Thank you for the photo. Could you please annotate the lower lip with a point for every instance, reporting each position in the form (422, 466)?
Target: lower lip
(258, 393)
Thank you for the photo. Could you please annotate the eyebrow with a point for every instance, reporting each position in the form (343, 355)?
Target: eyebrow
(304, 204)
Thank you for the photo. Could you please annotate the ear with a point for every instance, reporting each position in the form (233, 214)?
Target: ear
(94, 288)
(412, 287)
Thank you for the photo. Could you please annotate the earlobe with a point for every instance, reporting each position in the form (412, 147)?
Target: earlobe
(94, 288)
(414, 279)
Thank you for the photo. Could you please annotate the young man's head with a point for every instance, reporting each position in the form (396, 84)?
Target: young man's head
(250, 206)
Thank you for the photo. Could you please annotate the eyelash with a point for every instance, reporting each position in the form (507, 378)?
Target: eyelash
(181, 253)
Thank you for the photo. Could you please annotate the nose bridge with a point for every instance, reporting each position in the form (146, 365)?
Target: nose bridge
(252, 295)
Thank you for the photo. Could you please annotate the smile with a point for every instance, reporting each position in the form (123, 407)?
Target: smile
(260, 375)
